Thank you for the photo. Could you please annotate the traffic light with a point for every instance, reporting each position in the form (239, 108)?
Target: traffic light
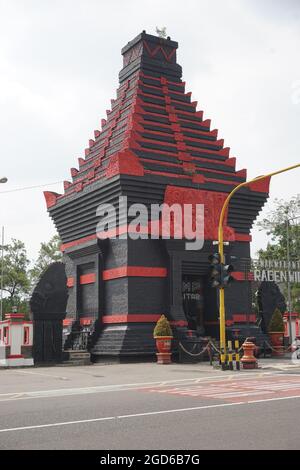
(220, 274)
(215, 270)
(227, 279)
(214, 259)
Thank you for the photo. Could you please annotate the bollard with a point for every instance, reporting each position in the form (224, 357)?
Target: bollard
(248, 360)
(223, 359)
(237, 354)
(230, 355)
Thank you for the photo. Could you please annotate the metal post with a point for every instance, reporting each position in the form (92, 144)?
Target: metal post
(288, 278)
(237, 354)
(221, 248)
(2, 272)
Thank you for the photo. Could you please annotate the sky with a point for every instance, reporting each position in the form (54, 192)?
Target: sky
(59, 64)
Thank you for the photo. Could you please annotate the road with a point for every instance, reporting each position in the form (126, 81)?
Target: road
(146, 406)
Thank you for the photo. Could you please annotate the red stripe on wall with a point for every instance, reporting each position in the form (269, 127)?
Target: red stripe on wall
(84, 279)
(124, 229)
(244, 318)
(14, 315)
(236, 318)
(70, 282)
(64, 246)
(138, 318)
(86, 320)
(125, 318)
(133, 271)
(241, 276)
(242, 237)
(87, 278)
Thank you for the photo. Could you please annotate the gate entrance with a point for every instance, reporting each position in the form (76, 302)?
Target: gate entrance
(48, 306)
(47, 341)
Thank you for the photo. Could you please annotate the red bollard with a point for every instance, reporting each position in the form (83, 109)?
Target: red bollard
(248, 360)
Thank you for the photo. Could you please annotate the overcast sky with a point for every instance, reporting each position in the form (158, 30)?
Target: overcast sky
(59, 64)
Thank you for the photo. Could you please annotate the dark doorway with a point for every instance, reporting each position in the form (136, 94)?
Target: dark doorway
(48, 308)
(193, 301)
(47, 341)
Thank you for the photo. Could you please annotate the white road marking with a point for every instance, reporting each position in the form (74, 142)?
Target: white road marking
(112, 388)
(138, 415)
(41, 373)
(236, 389)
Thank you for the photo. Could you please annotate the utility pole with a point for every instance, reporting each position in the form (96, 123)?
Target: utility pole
(288, 255)
(2, 273)
(288, 278)
(221, 252)
(3, 180)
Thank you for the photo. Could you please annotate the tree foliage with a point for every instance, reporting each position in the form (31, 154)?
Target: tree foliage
(283, 220)
(18, 277)
(276, 323)
(49, 253)
(15, 266)
(275, 225)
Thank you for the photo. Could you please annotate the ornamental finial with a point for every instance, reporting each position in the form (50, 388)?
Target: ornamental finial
(162, 32)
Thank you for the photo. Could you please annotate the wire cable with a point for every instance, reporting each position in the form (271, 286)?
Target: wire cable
(29, 187)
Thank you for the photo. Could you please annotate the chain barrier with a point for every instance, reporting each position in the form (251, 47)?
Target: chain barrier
(210, 343)
(194, 354)
(214, 347)
(211, 348)
(276, 350)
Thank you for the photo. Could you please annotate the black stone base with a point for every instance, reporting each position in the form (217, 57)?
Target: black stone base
(122, 342)
(122, 359)
(247, 331)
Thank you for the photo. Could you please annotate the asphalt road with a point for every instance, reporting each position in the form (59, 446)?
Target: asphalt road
(146, 406)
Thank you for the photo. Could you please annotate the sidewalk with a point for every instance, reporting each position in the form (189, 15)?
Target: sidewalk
(279, 363)
(21, 380)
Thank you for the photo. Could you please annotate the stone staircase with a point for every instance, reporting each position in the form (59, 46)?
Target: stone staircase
(76, 358)
(119, 342)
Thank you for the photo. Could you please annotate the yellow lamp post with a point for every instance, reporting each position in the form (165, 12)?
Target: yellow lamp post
(221, 253)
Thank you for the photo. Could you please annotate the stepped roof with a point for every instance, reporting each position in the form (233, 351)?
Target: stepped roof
(154, 131)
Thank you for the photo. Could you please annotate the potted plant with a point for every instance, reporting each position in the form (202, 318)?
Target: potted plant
(163, 337)
(276, 331)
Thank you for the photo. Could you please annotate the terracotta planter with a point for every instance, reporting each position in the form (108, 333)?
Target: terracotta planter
(163, 343)
(163, 358)
(276, 338)
(249, 360)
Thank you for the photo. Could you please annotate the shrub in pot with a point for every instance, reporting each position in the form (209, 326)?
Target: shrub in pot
(276, 332)
(163, 336)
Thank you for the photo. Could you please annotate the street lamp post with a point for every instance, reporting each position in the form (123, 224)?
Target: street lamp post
(288, 276)
(288, 252)
(2, 273)
(2, 180)
(221, 253)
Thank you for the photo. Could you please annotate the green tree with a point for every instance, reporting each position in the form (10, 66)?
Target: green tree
(275, 225)
(276, 323)
(16, 284)
(48, 253)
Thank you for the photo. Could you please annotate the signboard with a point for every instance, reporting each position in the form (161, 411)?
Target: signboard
(276, 270)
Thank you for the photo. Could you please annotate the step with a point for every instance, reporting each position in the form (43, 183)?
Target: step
(82, 362)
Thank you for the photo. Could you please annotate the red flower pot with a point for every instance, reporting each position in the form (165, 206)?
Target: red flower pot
(163, 343)
(276, 338)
